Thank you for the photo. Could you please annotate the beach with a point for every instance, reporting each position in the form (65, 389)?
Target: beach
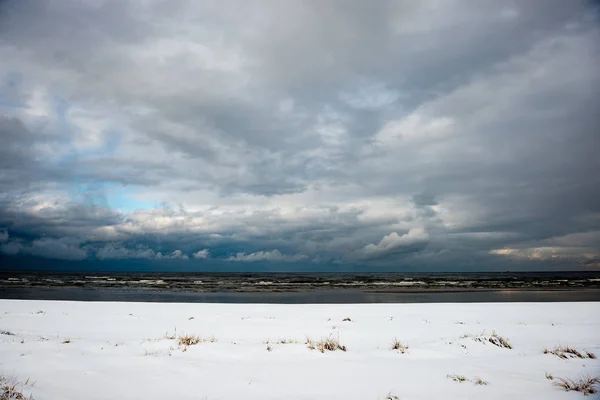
(99, 350)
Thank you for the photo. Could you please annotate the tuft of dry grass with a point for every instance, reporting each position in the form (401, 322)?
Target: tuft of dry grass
(457, 378)
(549, 376)
(67, 341)
(190, 340)
(499, 341)
(391, 396)
(461, 378)
(397, 345)
(585, 385)
(325, 344)
(494, 339)
(11, 389)
(479, 381)
(566, 352)
(7, 333)
(347, 319)
(171, 337)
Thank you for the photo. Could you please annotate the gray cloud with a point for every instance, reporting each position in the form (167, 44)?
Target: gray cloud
(63, 249)
(326, 130)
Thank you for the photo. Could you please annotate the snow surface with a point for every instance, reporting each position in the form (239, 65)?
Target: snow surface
(120, 350)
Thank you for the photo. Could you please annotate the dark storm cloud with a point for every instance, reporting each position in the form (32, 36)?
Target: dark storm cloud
(397, 134)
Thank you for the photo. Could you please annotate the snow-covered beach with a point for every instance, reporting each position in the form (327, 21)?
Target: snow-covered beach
(95, 350)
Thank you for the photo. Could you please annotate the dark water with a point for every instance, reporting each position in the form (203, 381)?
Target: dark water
(316, 296)
(303, 288)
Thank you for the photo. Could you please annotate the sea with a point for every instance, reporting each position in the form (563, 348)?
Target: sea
(302, 288)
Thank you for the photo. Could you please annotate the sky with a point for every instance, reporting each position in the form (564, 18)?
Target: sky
(293, 135)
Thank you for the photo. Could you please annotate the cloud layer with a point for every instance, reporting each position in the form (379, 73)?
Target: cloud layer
(399, 135)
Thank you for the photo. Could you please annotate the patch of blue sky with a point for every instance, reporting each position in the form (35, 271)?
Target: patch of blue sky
(127, 199)
(109, 195)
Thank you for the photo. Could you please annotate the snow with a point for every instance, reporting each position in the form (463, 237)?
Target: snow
(120, 350)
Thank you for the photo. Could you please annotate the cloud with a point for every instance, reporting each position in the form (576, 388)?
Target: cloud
(174, 255)
(140, 130)
(116, 252)
(202, 254)
(274, 255)
(60, 249)
(545, 253)
(393, 242)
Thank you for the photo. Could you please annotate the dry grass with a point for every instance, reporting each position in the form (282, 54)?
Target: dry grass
(67, 341)
(391, 396)
(281, 341)
(457, 378)
(171, 337)
(479, 381)
(499, 341)
(566, 352)
(153, 353)
(11, 389)
(494, 339)
(397, 345)
(461, 378)
(325, 344)
(190, 340)
(347, 319)
(585, 385)
(7, 333)
(549, 376)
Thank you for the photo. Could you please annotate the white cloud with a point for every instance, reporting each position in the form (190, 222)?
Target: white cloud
(175, 255)
(547, 253)
(393, 241)
(274, 255)
(202, 254)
